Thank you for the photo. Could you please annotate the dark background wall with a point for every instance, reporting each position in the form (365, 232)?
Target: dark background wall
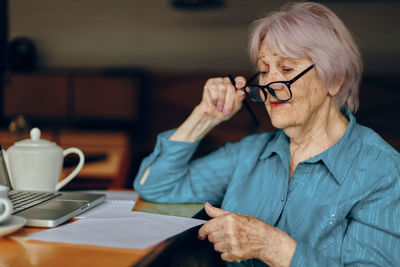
(155, 35)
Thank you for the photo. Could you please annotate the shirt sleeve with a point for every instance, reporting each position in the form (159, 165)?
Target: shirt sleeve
(175, 178)
(373, 233)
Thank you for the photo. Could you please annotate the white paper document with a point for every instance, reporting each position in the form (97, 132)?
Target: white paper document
(117, 196)
(117, 204)
(138, 230)
(109, 209)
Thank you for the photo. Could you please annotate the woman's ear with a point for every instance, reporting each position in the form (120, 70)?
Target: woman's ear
(334, 89)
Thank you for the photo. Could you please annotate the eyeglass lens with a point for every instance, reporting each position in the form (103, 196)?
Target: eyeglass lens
(278, 90)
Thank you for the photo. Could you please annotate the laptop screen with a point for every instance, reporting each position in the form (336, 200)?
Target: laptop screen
(4, 178)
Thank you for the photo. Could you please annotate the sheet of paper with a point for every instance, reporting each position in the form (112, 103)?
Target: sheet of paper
(116, 195)
(109, 209)
(118, 204)
(139, 230)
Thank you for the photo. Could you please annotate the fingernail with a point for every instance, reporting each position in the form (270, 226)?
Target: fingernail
(227, 112)
(239, 83)
(208, 204)
(215, 103)
(220, 109)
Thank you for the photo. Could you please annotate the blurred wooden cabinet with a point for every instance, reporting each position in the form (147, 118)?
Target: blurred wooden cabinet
(70, 96)
(38, 95)
(105, 97)
(107, 163)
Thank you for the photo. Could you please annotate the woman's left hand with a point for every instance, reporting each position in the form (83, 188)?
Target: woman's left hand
(240, 237)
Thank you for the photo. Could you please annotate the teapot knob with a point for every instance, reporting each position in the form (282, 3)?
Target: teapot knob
(35, 134)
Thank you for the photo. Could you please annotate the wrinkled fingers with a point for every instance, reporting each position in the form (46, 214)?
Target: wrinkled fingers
(221, 247)
(226, 96)
(211, 92)
(221, 94)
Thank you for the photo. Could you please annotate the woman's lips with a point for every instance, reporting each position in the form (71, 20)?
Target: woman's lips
(277, 104)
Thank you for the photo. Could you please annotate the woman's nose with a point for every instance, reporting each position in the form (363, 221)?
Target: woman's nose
(272, 76)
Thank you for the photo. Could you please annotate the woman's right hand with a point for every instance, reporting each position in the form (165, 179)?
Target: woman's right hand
(219, 103)
(220, 99)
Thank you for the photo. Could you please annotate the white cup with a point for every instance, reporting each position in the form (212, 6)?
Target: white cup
(5, 204)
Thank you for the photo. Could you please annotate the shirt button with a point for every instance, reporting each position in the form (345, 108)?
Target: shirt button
(333, 215)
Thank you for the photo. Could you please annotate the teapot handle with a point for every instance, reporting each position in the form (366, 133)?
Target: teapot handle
(78, 168)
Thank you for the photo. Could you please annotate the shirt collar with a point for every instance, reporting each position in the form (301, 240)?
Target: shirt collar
(279, 144)
(338, 158)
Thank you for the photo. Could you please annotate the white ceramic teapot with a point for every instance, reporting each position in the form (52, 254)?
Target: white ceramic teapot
(35, 164)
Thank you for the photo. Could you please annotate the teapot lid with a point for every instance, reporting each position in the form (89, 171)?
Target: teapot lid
(35, 140)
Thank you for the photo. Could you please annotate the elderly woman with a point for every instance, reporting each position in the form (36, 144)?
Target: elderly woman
(321, 190)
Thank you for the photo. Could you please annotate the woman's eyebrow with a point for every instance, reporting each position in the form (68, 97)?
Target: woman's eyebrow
(292, 62)
(262, 61)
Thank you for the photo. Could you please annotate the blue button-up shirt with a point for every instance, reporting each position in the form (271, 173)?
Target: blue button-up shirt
(341, 206)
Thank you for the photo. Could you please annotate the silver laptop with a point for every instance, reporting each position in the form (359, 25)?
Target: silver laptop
(47, 209)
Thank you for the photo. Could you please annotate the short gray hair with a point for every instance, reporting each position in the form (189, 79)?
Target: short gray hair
(312, 30)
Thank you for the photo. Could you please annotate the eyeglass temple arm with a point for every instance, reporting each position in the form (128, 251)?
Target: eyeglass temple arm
(246, 104)
(252, 78)
(301, 74)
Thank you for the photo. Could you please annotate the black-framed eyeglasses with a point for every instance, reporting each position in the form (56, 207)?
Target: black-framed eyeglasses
(280, 90)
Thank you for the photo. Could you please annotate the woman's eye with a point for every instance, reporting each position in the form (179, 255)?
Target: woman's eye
(263, 73)
(287, 69)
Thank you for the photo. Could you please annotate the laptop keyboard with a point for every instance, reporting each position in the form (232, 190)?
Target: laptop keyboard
(22, 200)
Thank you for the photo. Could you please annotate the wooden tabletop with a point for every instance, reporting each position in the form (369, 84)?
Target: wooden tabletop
(15, 251)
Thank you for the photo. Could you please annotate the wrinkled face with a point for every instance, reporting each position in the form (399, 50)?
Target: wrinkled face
(309, 96)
